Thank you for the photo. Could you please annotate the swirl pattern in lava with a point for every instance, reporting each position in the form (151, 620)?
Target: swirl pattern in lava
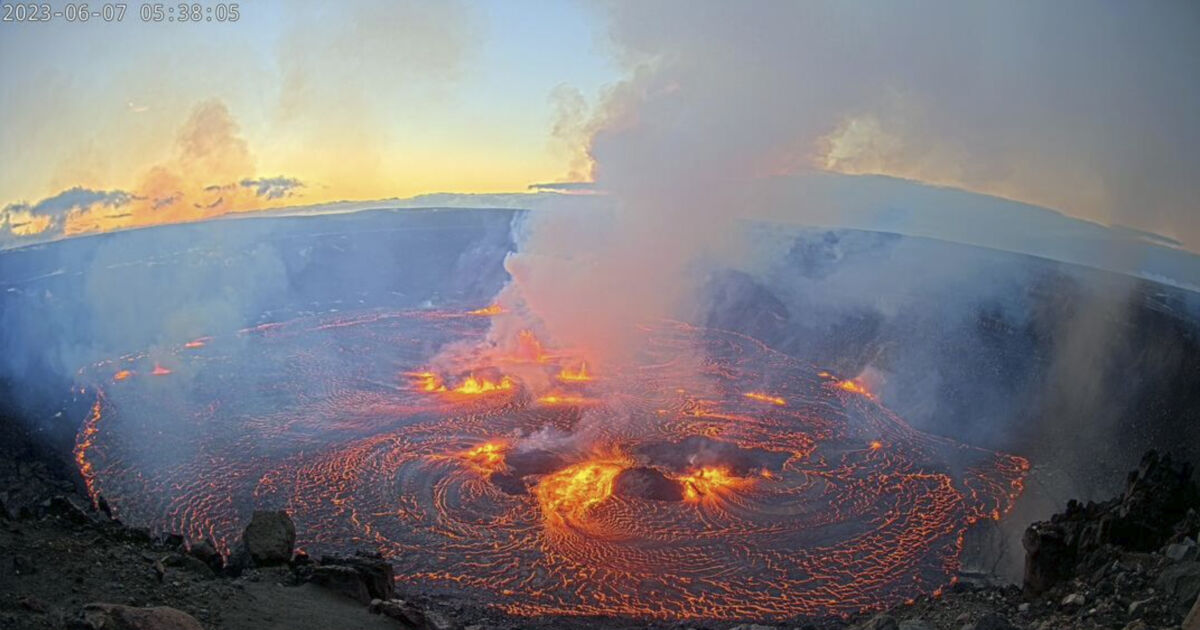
(713, 478)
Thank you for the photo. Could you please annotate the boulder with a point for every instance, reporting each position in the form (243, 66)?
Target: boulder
(205, 551)
(1049, 558)
(342, 580)
(1181, 551)
(269, 538)
(363, 577)
(1192, 621)
(100, 616)
(1181, 582)
(408, 615)
(1074, 600)
(915, 624)
(187, 563)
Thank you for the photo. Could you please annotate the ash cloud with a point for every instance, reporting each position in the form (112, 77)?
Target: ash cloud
(208, 148)
(1079, 107)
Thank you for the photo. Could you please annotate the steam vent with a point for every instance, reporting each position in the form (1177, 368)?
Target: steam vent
(670, 315)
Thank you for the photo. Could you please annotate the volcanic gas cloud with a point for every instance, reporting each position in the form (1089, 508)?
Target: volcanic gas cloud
(706, 476)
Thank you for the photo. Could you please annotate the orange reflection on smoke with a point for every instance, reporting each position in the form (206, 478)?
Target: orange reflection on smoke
(428, 381)
(579, 375)
(160, 370)
(529, 348)
(572, 491)
(767, 398)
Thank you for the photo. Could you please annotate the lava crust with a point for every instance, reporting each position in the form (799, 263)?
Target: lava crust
(759, 488)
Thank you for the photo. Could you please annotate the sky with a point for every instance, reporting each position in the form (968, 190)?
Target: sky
(1087, 108)
(304, 102)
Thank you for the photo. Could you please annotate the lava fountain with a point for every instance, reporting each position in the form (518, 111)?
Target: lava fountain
(760, 487)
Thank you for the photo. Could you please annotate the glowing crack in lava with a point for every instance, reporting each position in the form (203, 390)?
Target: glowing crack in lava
(757, 488)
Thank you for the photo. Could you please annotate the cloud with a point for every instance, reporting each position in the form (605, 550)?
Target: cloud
(273, 187)
(582, 187)
(211, 172)
(1086, 109)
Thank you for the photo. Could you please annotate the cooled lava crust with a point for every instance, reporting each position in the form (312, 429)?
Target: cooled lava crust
(711, 478)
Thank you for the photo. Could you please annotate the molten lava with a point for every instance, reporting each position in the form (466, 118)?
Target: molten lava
(569, 493)
(855, 387)
(579, 375)
(767, 398)
(487, 311)
(564, 399)
(488, 456)
(708, 480)
(704, 503)
(473, 385)
(160, 370)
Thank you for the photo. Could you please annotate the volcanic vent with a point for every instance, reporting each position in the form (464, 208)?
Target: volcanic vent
(761, 487)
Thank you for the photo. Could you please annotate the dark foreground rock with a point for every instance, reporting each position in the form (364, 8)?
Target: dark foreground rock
(1158, 508)
(364, 577)
(269, 538)
(116, 617)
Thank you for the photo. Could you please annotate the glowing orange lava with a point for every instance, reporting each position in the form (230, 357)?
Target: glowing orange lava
(564, 399)
(579, 375)
(767, 398)
(487, 311)
(196, 343)
(733, 500)
(474, 385)
(707, 480)
(428, 381)
(160, 370)
(488, 456)
(122, 375)
(855, 387)
(572, 491)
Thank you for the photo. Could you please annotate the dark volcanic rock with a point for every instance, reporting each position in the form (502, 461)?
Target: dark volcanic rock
(206, 552)
(116, 617)
(408, 615)
(343, 580)
(879, 622)
(361, 576)
(1182, 583)
(269, 538)
(1159, 499)
(534, 462)
(508, 483)
(1049, 558)
(1192, 622)
(991, 621)
(647, 483)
